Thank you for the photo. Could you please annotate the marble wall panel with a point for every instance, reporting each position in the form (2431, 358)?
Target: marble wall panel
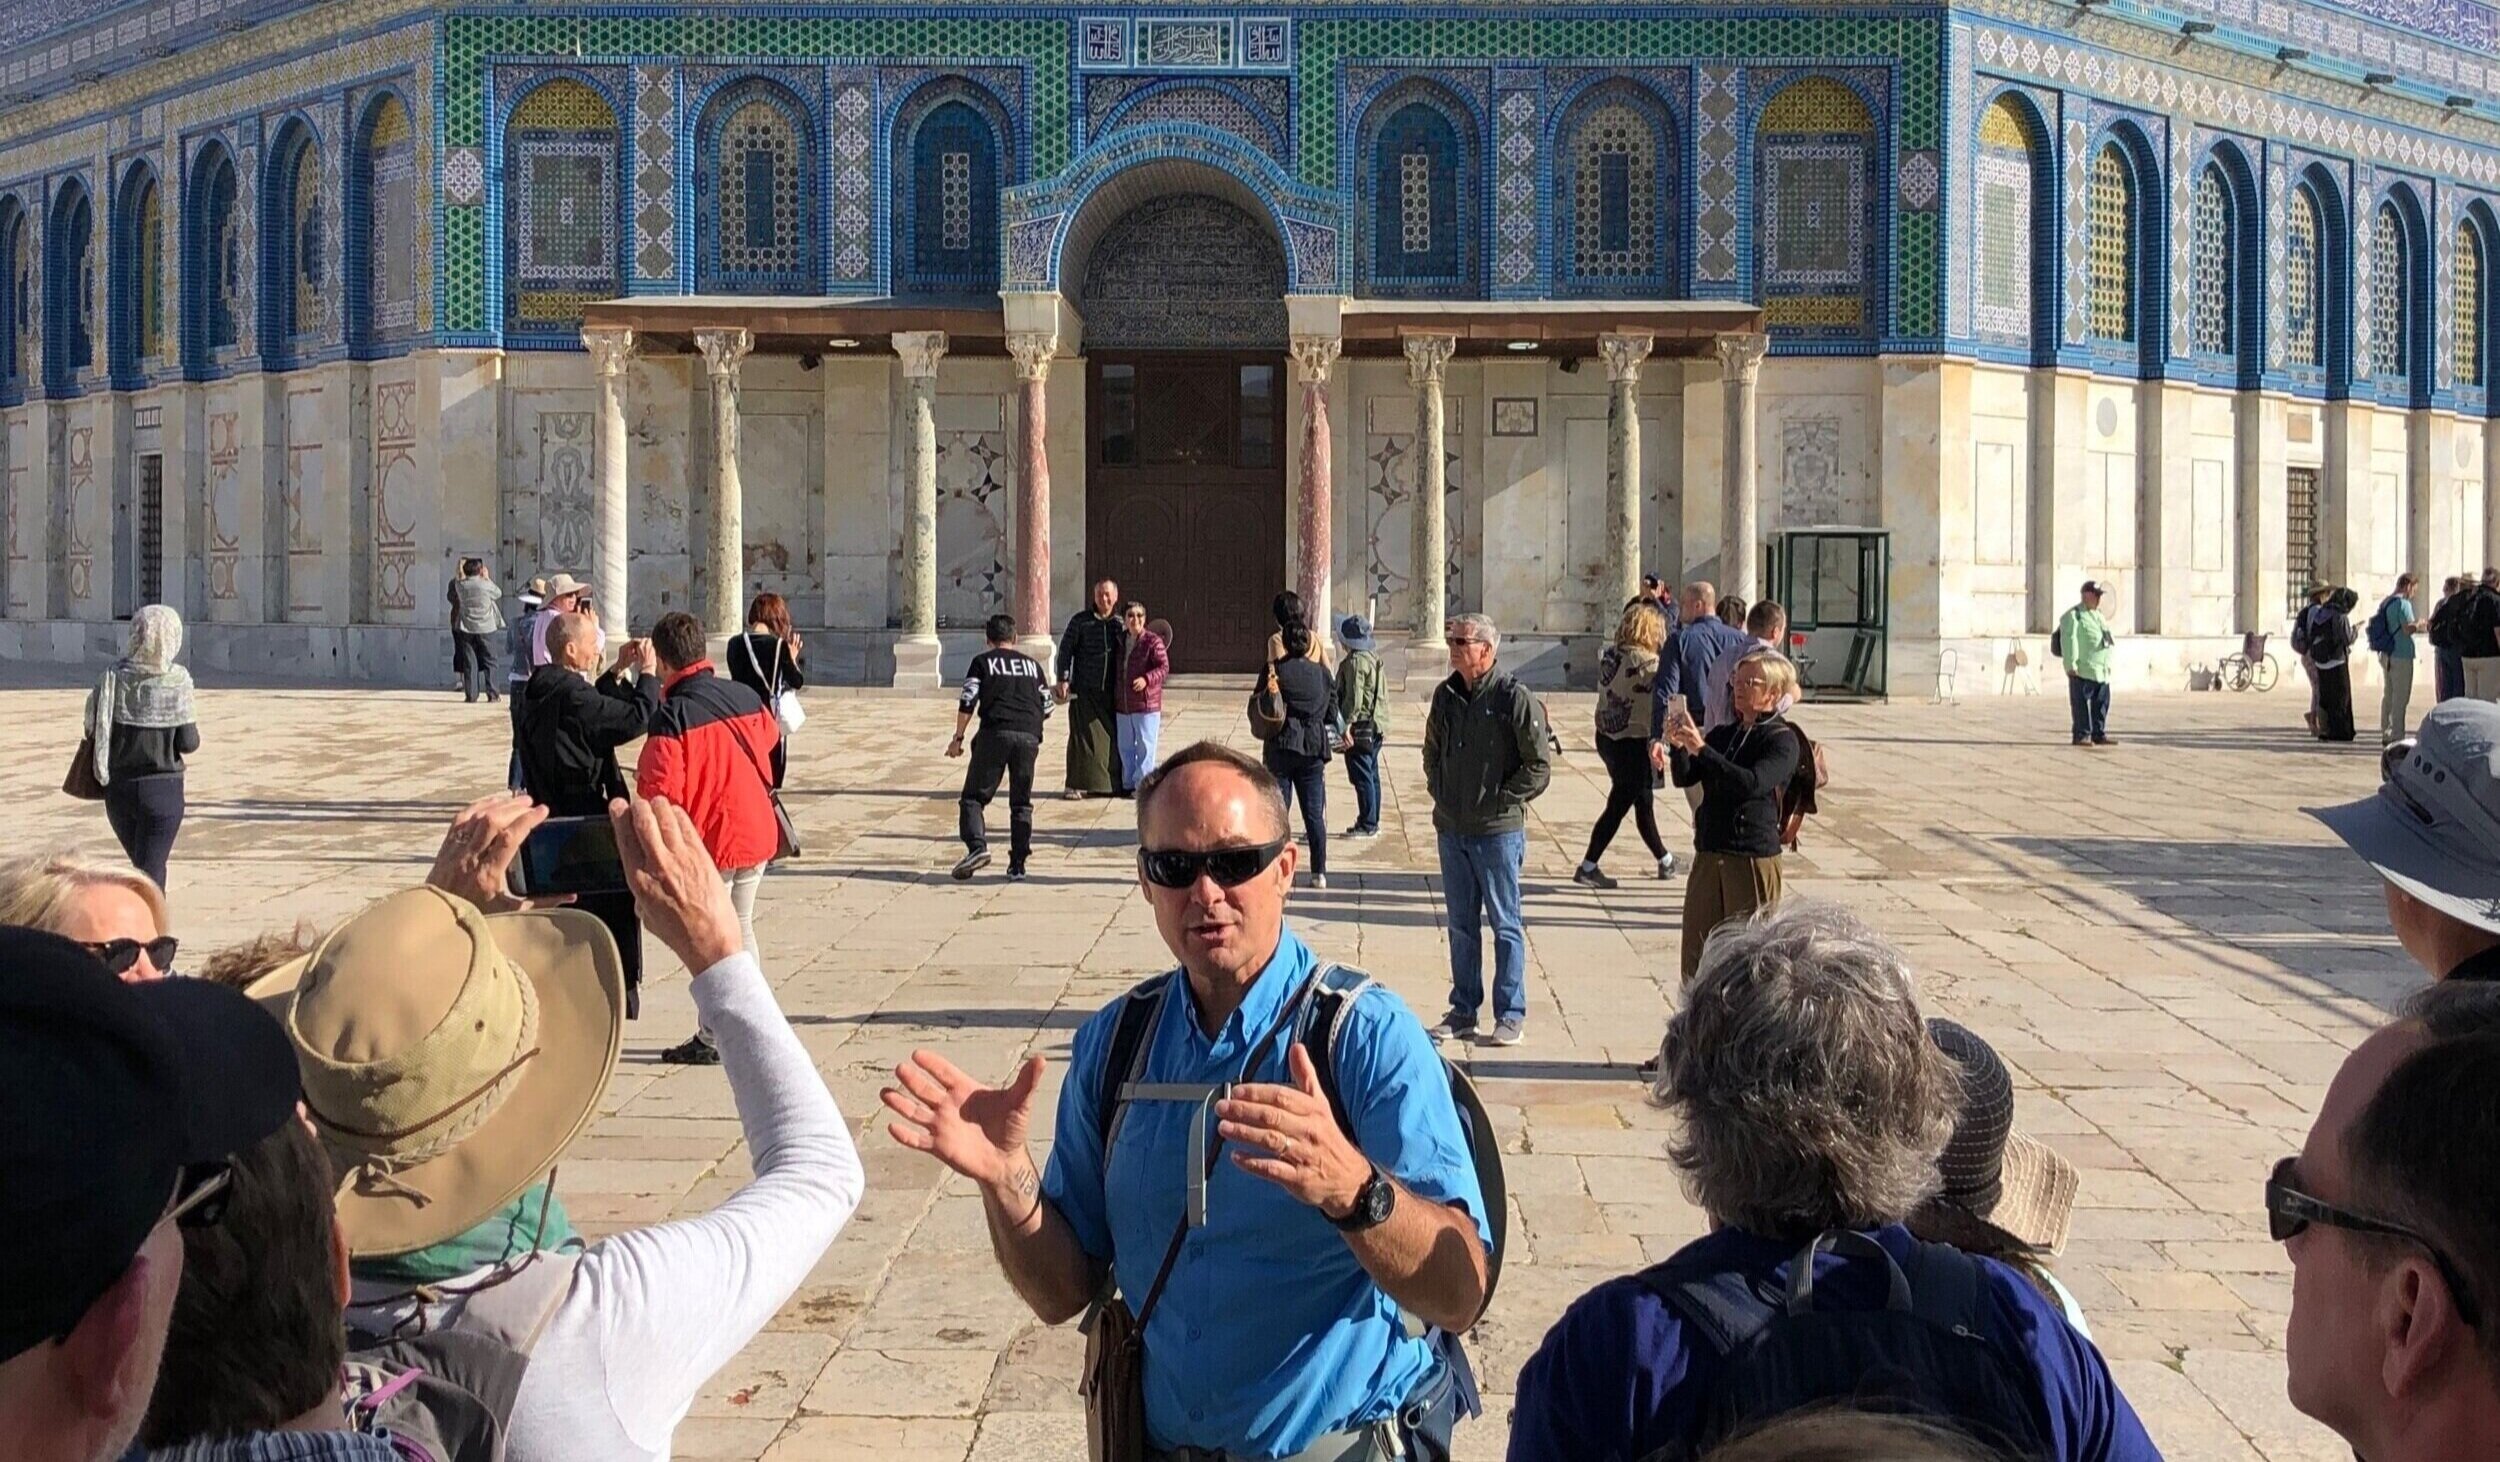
(778, 468)
(397, 500)
(16, 571)
(1388, 479)
(976, 484)
(661, 458)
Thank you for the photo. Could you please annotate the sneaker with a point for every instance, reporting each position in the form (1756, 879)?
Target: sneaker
(694, 1051)
(1319, 880)
(1510, 1030)
(971, 863)
(1458, 1025)
(2083, 741)
(1015, 871)
(1666, 865)
(1587, 876)
(2104, 741)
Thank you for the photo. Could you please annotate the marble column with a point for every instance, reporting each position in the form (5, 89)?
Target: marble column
(1427, 361)
(1315, 514)
(610, 346)
(918, 646)
(723, 605)
(1740, 518)
(1623, 355)
(1030, 604)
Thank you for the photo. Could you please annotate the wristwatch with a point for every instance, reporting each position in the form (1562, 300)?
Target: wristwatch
(1372, 1203)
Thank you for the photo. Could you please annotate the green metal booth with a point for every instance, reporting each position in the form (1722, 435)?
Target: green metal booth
(1836, 583)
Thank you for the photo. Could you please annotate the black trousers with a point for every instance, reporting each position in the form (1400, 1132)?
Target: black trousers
(473, 657)
(1628, 789)
(997, 753)
(145, 814)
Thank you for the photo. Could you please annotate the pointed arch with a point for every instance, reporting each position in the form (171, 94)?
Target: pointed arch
(2110, 210)
(757, 192)
(1614, 204)
(563, 210)
(69, 288)
(2227, 287)
(2317, 281)
(952, 144)
(2400, 315)
(138, 256)
(2014, 190)
(17, 300)
(295, 275)
(1418, 183)
(2471, 301)
(382, 225)
(1816, 251)
(213, 264)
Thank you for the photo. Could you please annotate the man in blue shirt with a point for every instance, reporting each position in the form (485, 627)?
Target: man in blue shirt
(1779, 1164)
(1684, 668)
(1278, 1329)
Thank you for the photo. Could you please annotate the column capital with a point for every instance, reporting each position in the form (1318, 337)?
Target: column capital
(723, 349)
(1313, 355)
(920, 350)
(1623, 353)
(610, 346)
(1740, 355)
(1426, 355)
(1033, 350)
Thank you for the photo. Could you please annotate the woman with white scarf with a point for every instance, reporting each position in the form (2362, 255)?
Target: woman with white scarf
(141, 720)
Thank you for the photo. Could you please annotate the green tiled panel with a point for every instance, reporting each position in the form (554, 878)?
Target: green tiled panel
(1914, 296)
(464, 277)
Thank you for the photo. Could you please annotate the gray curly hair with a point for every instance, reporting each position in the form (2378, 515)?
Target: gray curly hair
(1810, 1095)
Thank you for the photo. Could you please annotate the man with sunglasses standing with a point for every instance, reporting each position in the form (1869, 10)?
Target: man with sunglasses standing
(123, 1103)
(2432, 832)
(2391, 1214)
(1265, 1250)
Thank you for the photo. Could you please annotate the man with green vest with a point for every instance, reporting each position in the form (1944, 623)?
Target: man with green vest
(2083, 645)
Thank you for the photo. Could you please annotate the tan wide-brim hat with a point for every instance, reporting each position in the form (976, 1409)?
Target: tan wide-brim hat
(449, 1056)
(563, 584)
(2037, 1204)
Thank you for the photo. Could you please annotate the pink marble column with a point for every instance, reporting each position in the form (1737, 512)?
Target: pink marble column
(1031, 604)
(1315, 513)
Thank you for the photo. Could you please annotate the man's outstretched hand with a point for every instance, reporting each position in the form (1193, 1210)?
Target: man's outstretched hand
(977, 1130)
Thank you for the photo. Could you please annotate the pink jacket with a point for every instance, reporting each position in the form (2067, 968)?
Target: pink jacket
(1148, 659)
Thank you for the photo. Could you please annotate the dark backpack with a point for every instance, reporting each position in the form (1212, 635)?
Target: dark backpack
(1923, 1353)
(2300, 630)
(1331, 993)
(445, 1396)
(2382, 633)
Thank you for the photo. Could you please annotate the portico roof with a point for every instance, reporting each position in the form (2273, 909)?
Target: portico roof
(808, 324)
(1376, 327)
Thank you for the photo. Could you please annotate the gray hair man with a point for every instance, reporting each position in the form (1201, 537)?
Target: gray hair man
(1485, 761)
(2432, 832)
(1807, 1185)
(1278, 1335)
(2391, 1214)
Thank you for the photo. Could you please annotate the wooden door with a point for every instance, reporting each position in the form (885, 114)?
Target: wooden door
(1185, 496)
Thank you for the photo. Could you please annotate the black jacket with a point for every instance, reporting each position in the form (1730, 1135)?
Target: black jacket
(2443, 625)
(1005, 685)
(2477, 629)
(1093, 650)
(754, 658)
(1741, 771)
(1310, 705)
(150, 751)
(570, 730)
(1485, 755)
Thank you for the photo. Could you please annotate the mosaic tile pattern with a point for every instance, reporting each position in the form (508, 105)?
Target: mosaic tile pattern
(1185, 271)
(561, 198)
(756, 193)
(2278, 256)
(69, 288)
(2110, 208)
(2078, 229)
(1517, 122)
(2440, 288)
(2180, 267)
(1718, 100)
(1615, 191)
(655, 174)
(1203, 105)
(2391, 295)
(2362, 312)
(851, 141)
(947, 240)
(390, 222)
(2304, 269)
(1417, 186)
(2465, 294)
(2007, 216)
(1813, 154)
(2213, 286)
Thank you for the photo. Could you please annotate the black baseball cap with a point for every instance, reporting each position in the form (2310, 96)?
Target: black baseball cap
(109, 1091)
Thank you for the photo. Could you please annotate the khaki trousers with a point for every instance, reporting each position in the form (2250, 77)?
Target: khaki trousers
(1723, 887)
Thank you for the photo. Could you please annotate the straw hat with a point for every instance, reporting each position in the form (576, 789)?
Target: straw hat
(448, 1056)
(2014, 1186)
(563, 584)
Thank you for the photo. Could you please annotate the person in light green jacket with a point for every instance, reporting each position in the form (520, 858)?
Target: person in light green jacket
(1364, 714)
(2083, 645)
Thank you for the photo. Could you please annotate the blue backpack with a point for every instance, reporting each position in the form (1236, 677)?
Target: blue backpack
(2382, 628)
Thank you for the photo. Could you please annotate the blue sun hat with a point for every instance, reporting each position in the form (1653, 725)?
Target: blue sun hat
(1355, 632)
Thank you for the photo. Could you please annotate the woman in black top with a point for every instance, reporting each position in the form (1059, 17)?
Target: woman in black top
(1299, 754)
(1741, 768)
(768, 659)
(141, 719)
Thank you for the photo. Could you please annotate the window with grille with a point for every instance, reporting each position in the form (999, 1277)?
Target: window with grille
(2304, 267)
(1613, 157)
(2391, 294)
(2002, 175)
(2468, 305)
(2110, 214)
(2211, 272)
(952, 213)
(151, 565)
(2300, 534)
(560, 201)
(1417, 237)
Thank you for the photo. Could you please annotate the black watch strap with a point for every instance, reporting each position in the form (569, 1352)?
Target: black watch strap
(1372, 1203)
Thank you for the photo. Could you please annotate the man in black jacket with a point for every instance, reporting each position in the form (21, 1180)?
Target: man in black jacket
(1485, 760)
(1004, 685)
(2478, 637)
(1093, 651)
(570, 730)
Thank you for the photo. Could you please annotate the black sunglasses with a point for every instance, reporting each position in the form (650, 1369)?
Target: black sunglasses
(1179, 868)
(121, 955)
(2289, 1212)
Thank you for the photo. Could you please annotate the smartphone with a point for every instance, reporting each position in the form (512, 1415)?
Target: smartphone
(568, 855)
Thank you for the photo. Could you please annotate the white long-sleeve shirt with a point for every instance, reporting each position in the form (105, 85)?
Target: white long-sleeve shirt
(653, 1314)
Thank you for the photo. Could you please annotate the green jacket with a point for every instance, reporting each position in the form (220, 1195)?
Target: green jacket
(1358, 691)
(2086, 640)
(1484, 755)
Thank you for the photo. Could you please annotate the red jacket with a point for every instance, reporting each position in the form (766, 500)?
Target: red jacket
(1147, 660)
(711, 752)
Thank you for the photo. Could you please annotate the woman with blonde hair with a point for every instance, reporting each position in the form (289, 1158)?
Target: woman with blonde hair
(141, 721)
(1741, 768)
(117, 913)
(1624, 676)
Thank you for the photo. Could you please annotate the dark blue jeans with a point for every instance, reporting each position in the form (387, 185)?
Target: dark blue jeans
(2451, 676)
(1362, 768)
(2088, 703)
(1480, 885)
(1307, 783)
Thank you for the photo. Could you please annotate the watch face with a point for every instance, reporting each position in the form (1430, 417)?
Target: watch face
(1376, 1199)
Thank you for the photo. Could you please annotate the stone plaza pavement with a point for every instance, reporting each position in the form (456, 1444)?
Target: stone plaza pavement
(2169, 955)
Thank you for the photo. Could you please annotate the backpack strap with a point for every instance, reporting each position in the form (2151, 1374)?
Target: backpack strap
(1333, 992)
(1840, 1243)
(1724, 1308)
(1947, 1287)
(1125, 1061)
